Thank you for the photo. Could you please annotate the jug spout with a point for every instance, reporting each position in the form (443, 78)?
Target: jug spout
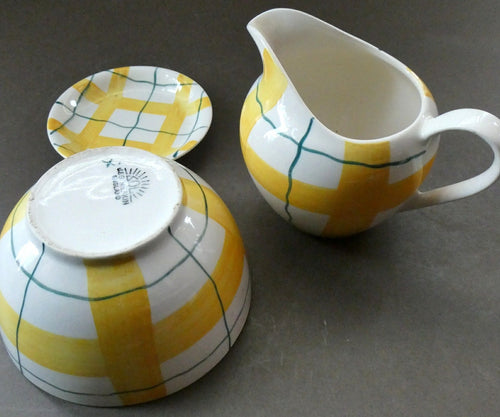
(278, 28)
(264, 28)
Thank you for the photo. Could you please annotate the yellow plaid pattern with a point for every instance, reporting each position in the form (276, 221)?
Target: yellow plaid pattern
(364, 190)
(154, 109)
(130, 350)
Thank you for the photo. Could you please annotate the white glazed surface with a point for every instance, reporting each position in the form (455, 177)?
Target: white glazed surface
(127, 329)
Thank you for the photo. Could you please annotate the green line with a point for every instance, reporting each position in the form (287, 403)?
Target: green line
(263, 115)
(194, 125)
(292, 167)
(219, 299)
(142, 109)
(18, 325)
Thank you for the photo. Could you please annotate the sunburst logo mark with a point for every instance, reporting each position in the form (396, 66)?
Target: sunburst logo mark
(130, 184)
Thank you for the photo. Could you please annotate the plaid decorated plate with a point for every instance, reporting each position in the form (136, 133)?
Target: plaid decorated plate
(155, 109)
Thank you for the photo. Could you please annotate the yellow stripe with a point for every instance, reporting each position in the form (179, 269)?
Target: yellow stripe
(250, 114)
(89, 136)
(364, 192)
(91, 91)
(124, 323)
(189, 145)
(361, 191)
(124, 329)
(73, 146)
(196, 106)
(72, 356)
(196, 318)
(218, 211)
(16, 215)
(191, 322)
(427, 92)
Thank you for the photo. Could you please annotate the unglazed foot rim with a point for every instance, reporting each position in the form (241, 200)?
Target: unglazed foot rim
(104, 202)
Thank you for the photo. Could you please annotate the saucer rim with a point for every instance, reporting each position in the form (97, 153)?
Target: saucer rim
(172, 156)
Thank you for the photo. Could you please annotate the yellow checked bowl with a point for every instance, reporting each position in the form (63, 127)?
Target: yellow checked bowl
(123, 278)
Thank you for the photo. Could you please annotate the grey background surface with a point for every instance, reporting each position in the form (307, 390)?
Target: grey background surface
(402, 320)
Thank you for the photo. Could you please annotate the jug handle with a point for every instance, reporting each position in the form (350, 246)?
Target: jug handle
(478, 122)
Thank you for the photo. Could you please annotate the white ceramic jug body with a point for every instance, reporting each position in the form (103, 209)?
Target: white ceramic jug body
(338, 135)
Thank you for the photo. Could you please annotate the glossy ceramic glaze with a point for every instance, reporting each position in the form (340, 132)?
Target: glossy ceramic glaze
(151, 108)
(337, 135)
(98, 311)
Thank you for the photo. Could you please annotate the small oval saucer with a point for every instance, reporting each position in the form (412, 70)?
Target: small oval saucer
(151, 108)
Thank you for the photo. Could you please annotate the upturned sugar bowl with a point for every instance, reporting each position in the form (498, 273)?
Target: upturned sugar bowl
(123, 278)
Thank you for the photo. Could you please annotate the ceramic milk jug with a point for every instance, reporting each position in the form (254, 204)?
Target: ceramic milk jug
(337, 135)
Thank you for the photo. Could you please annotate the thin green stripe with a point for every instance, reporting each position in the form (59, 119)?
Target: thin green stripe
(292, 167)
(194, 129)
(142, 109)
(19, 319)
